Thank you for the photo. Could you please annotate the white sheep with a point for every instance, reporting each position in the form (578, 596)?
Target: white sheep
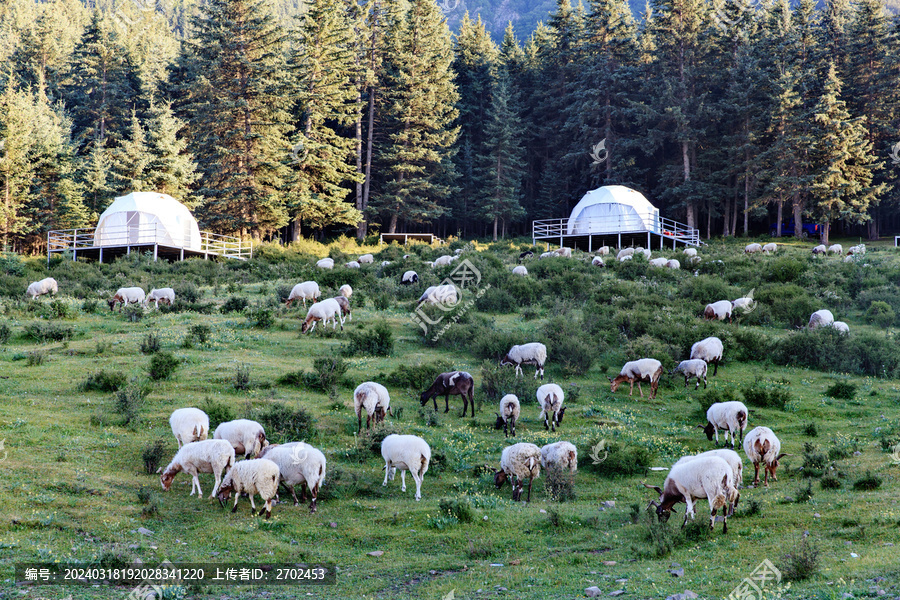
(644, 369)
(708, 477)
(520, 270)
(533, 353)
(762, 446)
(409, 278)
(835, 249)
(385, 263)
(257, 476)
(374, 399)
(308, 290)
(673, 264)
(658, 262)
(859, 249)
(720, 310)
(690, 252)
(770, 248)
(326, 310)
(597, 261)
(603, 250)
(205, 456)
(563, 252)
(560, 457)
(298, 463)
(752, 248)
(133, 295)
(841, 326)
(346, 291)
(728, 416)
(730, 456)
(550, 396)
(352, 265)
(366, 259)
(407, 453)
(440, 294)
(547, 254)
(711, 350)
(849, 258)
(443, 261)
(509, 414)
(820, 318)
(245, 436)
(626, 257)
(517, 463)
(744, 304)
(47, 285)
(695, 260)
(624, 252)
(692, 368)
(645, 251)
(189, 425)
(164, 295)
(325, 263)
(820, 249)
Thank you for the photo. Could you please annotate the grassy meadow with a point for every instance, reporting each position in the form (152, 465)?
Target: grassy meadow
(86, 397)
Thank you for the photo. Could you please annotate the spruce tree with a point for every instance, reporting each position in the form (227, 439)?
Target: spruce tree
(420, 107)
(94, 174)
(130, 161)
(16, 167)
(171, 169)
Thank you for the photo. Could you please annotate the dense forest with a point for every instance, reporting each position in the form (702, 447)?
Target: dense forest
(280, 120)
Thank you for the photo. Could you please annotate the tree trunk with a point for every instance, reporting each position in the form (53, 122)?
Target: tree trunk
(746, 202)
(392, 228)
(726, 220)
(780, 214)
(823, 232)
(495, 228)
(295, 230)
(361, 226)
(689, 204)
(798, 218)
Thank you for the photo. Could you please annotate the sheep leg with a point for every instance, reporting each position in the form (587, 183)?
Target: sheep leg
(359, 422)
(446, 403)
(402, 480)
(472, 401)
(755, 474)
(314, 492)
(513, 426)
(218, 476)
(293, 493)
(716, 365)
(387, 472)
(631, 389)
(530, 481)
(418, 479)
(639, 388)
(237, 496)
(704, 382)
(195, 485)
(518, 370)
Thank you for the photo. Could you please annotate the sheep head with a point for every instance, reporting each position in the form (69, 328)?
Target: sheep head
(498, 424)
(225, 490)
(305, 327)
(506, 361)
(559, 415)
(168, 475)
(615, 383)
(499, 478)
(112, 303)
(424, 398)
(709, 429)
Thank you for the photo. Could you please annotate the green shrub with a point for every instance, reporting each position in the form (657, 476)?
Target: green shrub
(868, 482)
(150, 344)
(570, 344)
(11, 265)
(285, 423)
(881, 314)
(200, 333)
(496, 300)
(621, 461)
(5, 333)
(368, 443)
(783, 270)
(129, 400)
(814, 460)
(35, 358)
(234, 304)
(152, 455)
(104, 381)
(218, 412)
(804, 494)
(162, 365)
(559, 485)
(843, 390)
(801, 563)
(830, 482)
(46, 332)
(241, 379)
(497, 381)
(766, 395)
(377, 341)
(262, 318)
(810, 429)
(328, 372)
(133, 312)
(187, 291)
(382, 301)
(418, 377)
(459, 508)
(842, 446)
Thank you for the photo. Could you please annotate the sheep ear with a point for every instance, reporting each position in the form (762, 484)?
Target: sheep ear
(159, 470)
(702, 426)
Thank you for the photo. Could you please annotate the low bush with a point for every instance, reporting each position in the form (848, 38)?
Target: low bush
(881, 314)
(559, 485)
(48, 332)
(152, 455)
(810, 429)
(497, 381)
(130, 399)
(262, 318)
(459, 508)
(620, 461)
(218, 412)
(377, 341)
(150, 344)
(133, 312)
(418, 377)
(35, 358)
(830, 482)
(200, 333)
(802, 562)
(766, 395)
(328, 372)
(868, 482)
(5, 333)
(368, 443)
(241, 378)
(104, 381)
(843, 390)
(187, 291)
(284, 423)
(162, 365)
(234, 304)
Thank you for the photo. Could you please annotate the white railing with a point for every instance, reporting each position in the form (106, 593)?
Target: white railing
(63, 240)
(548, 229)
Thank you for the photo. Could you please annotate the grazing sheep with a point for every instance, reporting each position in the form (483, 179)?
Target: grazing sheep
(762, 446)
(627, 257)
(44, 286)
(559, 457)
(645, 369)
(409, 278)
(658, 262)
(533, 353)
(508, 415)
(375, 399)
(366, 259)
(603, 250)
(133, 295)
(407, 453)
(720, 310)
(835, 249)
(520, 270)
(352, 265)
(189, 425)
(440, 294)
(820, 318)
(597, 261)
(820, 249)
(550, 397)
(841, 326)
(695, 260)
(563, 252)
(730, 456)
(245, 436)
(770, 248)
(298, 463)
(345, 307)
(164, 295)
(519, 462)
(690, 252)
(849, 258)
(743, 304)
(326, 310)
(205, 456)
(257, 476)
(645, 251)
(692, 368)
(752, 248)
(624, 252)
(673, 264)
(729, 416)
(860, 249)
(325, 263)
(308, 290)
(526, 254)
(385, 263)
(708, 477)
(346, 291)
(547, 255)
(710, 350)
(443, 261)
(454, 383)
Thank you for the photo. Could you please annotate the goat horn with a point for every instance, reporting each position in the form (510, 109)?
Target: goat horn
(655, 488)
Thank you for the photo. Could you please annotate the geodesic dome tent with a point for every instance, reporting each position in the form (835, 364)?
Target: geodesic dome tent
(147, 218)
(613, 209)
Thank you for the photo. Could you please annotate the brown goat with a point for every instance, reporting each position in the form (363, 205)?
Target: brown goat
(454, 383)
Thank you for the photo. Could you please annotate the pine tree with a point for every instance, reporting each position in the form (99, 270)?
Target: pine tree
(94, 176)
(130, 161)
(420, 107)
(841, 186)
(171, 169)
(323, 170)
(236, 108)
(16, 168)
(47, 45)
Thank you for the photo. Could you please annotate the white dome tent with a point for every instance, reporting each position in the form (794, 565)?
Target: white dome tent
(147, 218)
(613, 209)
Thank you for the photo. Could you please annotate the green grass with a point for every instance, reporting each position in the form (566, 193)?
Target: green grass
(73, 474)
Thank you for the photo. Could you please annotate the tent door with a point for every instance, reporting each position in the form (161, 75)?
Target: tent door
(133, 224)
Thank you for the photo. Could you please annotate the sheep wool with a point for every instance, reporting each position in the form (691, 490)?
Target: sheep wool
(729, 416)
(47, 285)
(245, 436)
(820, 318)
(517, 463)
(308, 290)
(709, 350)
(560, 456)
(374, 399)
(206, 456)
(256, 476)
(762, 446)
(298, 463)
(189, 425)
(407, 453)
(550, 396)
(164, 295)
